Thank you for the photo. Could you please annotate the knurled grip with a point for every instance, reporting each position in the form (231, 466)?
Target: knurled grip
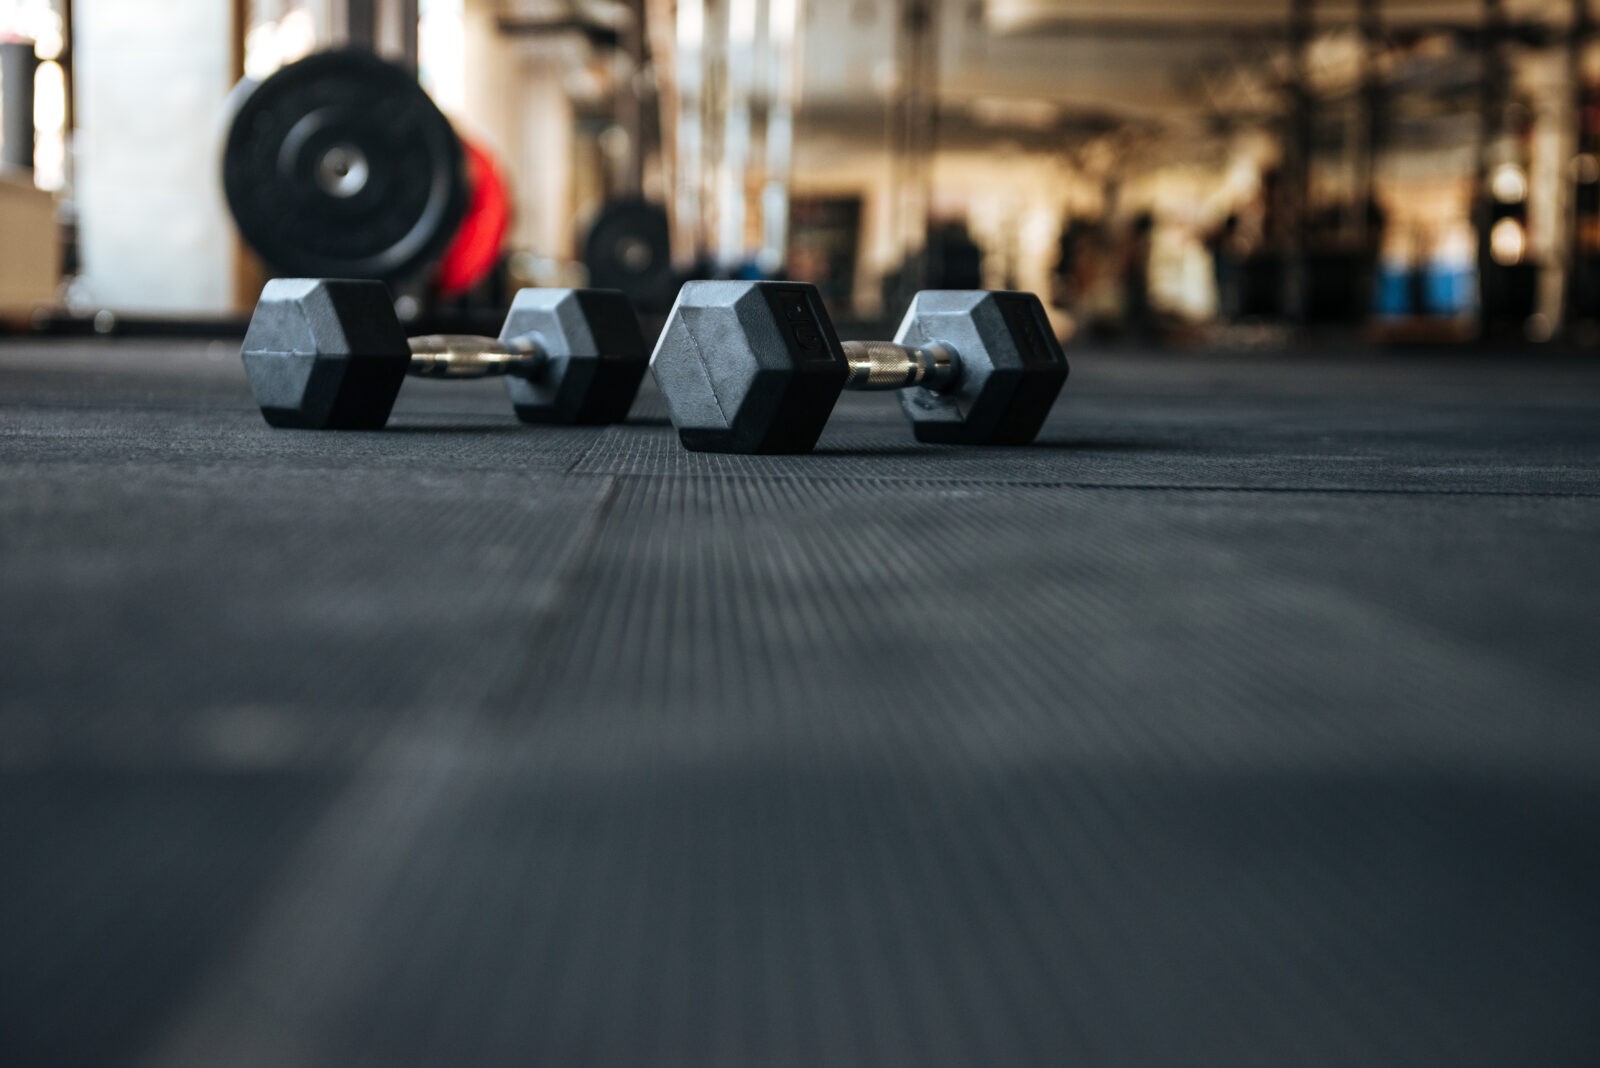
(468, 356)
(876, 365)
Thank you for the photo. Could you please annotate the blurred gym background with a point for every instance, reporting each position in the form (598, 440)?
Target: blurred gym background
(1231, 172)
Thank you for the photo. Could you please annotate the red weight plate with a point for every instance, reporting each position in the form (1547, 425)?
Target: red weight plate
(475, 249)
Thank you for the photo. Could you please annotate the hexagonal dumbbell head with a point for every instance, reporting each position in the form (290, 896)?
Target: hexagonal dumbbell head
(596, 352)
(1012, 367)
(749, 366)
(324, 354)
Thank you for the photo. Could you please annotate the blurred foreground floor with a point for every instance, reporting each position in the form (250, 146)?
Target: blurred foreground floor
(1251, 717)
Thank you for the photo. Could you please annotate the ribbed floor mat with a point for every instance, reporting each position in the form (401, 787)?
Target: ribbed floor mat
(1249, 719)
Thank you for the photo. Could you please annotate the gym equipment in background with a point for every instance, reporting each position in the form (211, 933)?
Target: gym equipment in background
(327, 354)
(755, 367)
(474, 252)
(339, 165)
(628, 247)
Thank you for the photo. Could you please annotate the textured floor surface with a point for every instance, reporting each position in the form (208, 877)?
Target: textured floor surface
(1251, 717)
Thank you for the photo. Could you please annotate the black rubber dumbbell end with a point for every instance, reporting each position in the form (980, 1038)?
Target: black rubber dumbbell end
(325, 354)
(749, 367)
(1012, 367)
(595, 350)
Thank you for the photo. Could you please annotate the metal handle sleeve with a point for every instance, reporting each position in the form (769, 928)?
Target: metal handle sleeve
(469, 356)
(878, 365)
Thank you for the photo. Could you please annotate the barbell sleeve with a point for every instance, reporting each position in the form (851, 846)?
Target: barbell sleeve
(876, 365)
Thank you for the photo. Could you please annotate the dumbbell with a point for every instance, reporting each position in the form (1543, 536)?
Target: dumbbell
(330, 354)
(755, 367)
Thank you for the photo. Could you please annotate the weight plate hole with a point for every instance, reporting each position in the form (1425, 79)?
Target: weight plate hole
(342, 171)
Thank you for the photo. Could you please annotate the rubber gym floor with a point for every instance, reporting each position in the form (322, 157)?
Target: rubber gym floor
(1250, 717)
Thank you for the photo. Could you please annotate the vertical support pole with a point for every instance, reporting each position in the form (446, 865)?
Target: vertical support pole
(1373, 121)
(914, 140)
(387, 27)
(407, 22)
(543, 150)
(713, 123)
(1578, 285)
(688, 57)
(356, 23)
(659, 27)
(248, 273)
(628, 108)
(17, 65)
(70, 112)
(1296, 183)
(239, 30)
(782, 33)
(1491, 121)
(736, 126)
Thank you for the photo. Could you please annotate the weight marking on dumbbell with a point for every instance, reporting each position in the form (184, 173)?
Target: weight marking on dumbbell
(1019, 311)
(799, 321)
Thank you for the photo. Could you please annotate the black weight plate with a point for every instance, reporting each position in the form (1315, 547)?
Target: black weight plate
(339, 166)
(628, 248)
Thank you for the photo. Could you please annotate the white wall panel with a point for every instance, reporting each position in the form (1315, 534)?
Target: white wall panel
(152, 77)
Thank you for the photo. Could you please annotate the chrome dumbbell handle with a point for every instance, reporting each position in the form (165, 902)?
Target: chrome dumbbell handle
(877, 365)
(471, 356)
